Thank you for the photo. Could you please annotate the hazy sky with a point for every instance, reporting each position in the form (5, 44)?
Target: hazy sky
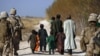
(26, 7)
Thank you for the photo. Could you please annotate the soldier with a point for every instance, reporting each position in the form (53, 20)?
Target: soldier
(88, 33)
(16, 21)
(4, 32)
(17, 27)
(94, 43)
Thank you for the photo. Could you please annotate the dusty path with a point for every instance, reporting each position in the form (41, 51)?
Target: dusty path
(25, 46)
(26, 51)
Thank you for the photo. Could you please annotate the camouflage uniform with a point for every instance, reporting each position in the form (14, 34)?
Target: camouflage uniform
(93, 48)
(4, 32)
(1, 39)
(96, 48)
(17, 26)
(87, 34)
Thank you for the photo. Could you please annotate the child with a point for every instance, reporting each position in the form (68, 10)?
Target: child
(51, 42)
(32, 40)
(42, 34)
(60, 41)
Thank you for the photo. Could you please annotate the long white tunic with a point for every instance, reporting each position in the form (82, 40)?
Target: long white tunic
(69, 29)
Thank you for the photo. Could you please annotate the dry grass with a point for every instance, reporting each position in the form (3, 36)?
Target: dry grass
(79, 9)
(29, 24)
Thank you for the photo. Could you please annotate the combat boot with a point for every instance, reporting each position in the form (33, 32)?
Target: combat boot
(15, 53)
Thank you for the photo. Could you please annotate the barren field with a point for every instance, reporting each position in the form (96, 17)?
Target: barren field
(32, 23)
(29, 23)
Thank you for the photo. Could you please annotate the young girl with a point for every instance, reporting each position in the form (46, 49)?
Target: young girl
(32, 40)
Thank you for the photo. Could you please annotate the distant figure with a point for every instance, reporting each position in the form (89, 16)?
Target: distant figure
(53, 26)
(51, 42)
(37, 42)
(32, 40)
(69, 30)
(59, 23)
(60, 38)
(43, 35)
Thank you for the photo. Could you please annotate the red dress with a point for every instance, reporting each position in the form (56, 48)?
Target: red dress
(37, 43)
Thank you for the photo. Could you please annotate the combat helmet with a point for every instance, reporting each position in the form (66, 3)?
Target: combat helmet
(13, 11)
(3, 14)
(92, 17)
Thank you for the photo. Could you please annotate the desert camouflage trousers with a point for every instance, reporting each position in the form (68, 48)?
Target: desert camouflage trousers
(8, 49)
(1, 48)
(92, 49)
